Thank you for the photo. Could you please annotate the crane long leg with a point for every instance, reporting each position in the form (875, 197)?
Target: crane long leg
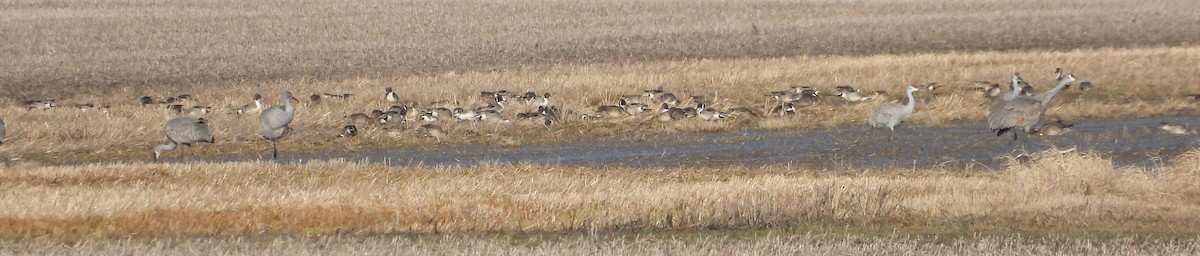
(274, 151)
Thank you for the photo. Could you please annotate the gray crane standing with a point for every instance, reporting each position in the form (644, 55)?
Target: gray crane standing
(893, 114)
(273, 122)
(184, 131)
(1023, 112)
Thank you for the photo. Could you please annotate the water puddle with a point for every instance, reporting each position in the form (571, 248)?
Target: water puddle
(960, 145)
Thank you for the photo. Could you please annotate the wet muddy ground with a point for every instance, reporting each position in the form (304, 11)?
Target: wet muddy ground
(966, 145)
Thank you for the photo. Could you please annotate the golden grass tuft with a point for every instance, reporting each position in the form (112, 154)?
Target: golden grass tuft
(774, 244)
(1060, 192)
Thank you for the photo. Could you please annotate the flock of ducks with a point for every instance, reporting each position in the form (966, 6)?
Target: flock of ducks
(1017, 109)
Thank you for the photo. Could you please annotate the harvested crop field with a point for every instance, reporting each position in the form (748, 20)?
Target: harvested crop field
(78, 177)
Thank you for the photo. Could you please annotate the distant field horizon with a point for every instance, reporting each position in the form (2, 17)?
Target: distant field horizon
(78, 178)
(60, 49)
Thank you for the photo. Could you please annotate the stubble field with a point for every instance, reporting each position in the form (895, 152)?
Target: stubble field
(1141, 55)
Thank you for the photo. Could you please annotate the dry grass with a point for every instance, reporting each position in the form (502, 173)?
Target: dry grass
(586, 53)
(51, 48)
(1057, 193)
(129, 130)
(765, 245)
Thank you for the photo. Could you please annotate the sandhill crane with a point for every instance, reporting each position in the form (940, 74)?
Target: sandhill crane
(1022, 112)
(893, 114)
(273, 122)
(184, 131)
(1045, 97)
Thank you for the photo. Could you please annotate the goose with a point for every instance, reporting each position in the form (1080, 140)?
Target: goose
(253, 107)
(744, 111)
(785, 109)
(550, 114)
(661, 96)
(314, 99)
(1177, 129)
(618, 110)
(710, 115)
(428, 117)
(636, 108)
(669, 113)
(432, 130)
(441, 112)
(497, 106)
(84, 106)
(175, 108)
(40, 104)
(199, 110)
(496, 94)
(544, 101)
(359, 119)
(391, 118)
(1085, 85)
(348, 131)
(492, 116)
(390, 95)
(146, 100)
(466, 114)
(1053, 129)
(850, 94)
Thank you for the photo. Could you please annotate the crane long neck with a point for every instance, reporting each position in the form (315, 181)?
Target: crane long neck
(164, 147)
(1016, 90)
(911, 102)
(287, 105)
(1062, 84)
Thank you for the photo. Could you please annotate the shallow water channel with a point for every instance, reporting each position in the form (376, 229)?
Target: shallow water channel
(1137, 142)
